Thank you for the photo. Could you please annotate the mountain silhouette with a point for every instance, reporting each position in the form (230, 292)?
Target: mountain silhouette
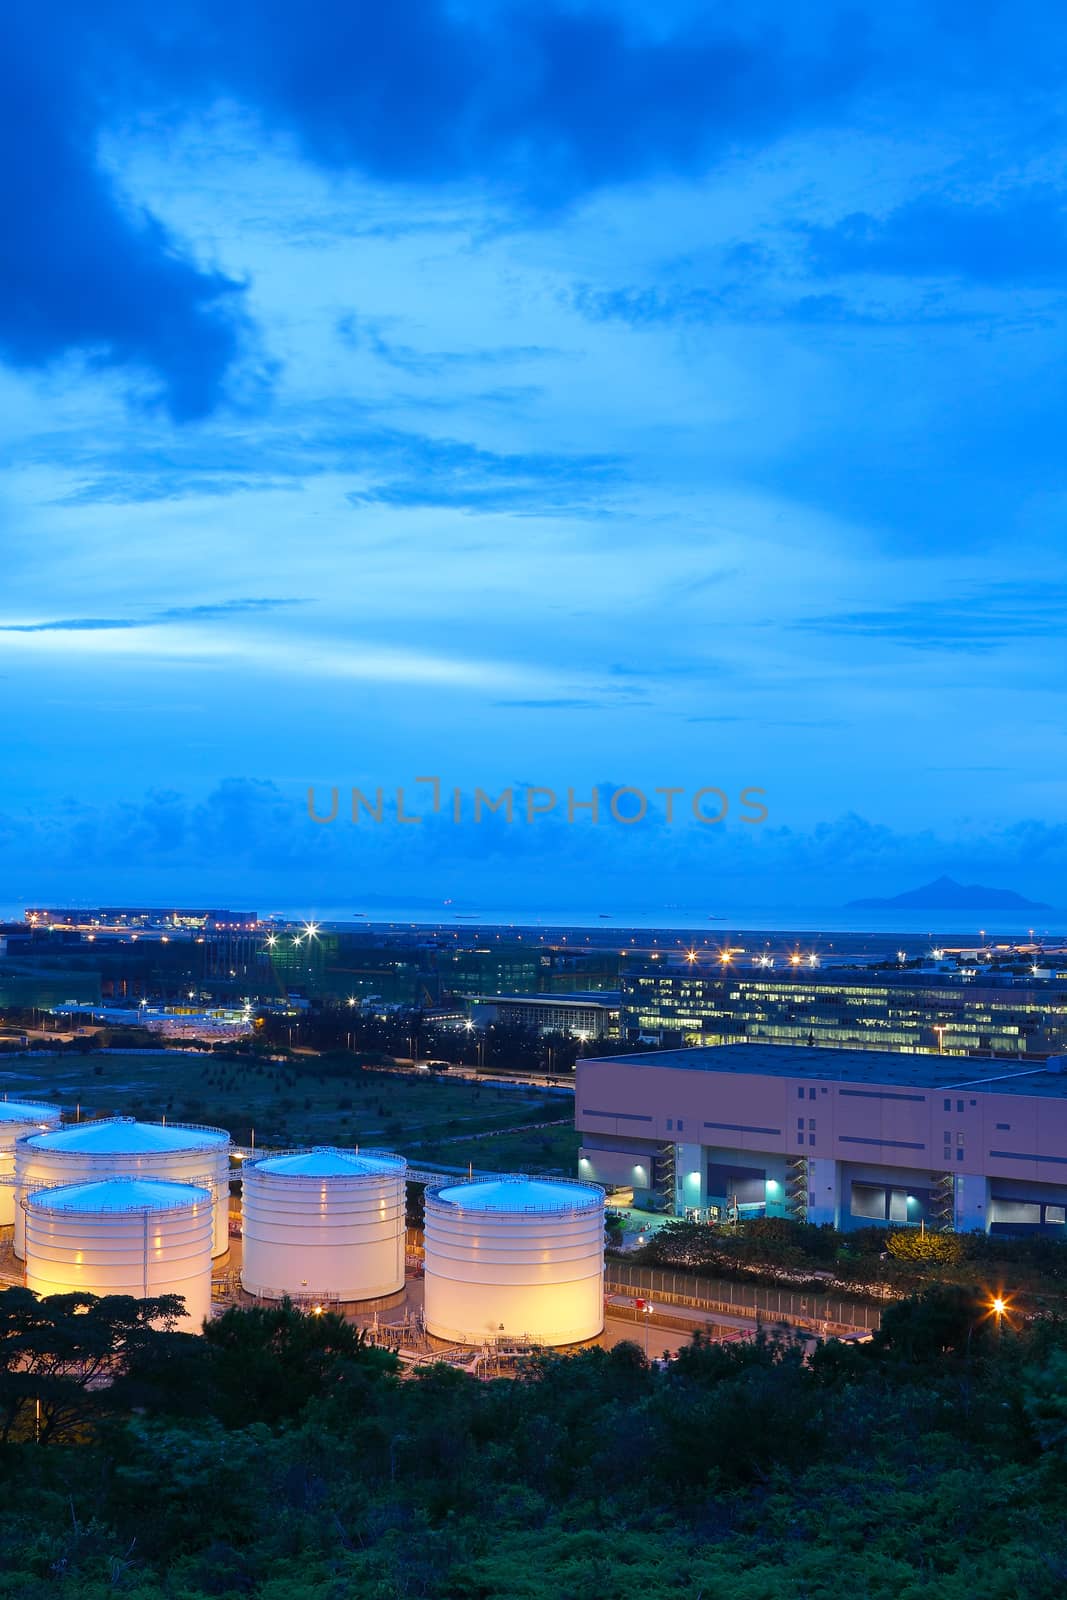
(945, 894)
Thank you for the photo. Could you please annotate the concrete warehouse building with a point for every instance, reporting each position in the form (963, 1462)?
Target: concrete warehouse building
(849, 1137)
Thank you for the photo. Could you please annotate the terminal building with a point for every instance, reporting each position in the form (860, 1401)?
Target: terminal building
(954, 1014)
(586, 1016)
(852, 1138)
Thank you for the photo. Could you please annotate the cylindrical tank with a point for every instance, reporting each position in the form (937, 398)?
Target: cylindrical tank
(326, 1223)
(122, 1148)
(515, 1257)
(17, 1118)
(137, 1236)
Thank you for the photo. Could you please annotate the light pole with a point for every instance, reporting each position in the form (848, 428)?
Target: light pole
(647, 1309)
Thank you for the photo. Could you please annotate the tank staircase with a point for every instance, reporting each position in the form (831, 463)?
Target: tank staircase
(796, 1188)
(663, 1177)
(943, 1203)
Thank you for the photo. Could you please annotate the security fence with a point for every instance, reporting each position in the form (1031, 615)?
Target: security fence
(826, 1313)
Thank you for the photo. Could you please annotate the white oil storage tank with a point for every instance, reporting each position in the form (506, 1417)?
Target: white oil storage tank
(515, 1257)
(137, 1236)
(17, 1118)
(323, 1223)
(119, 1147)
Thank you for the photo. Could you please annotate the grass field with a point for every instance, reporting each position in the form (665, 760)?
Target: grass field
(308, 1101)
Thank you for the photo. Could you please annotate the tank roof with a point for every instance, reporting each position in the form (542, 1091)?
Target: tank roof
(517, 1193)
(327, 1161)
(124, 1136)
(26, 1110)
(119, 1194)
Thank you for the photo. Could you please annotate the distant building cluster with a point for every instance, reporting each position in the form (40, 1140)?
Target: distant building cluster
(952, 1013)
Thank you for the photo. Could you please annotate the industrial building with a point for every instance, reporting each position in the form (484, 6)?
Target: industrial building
(831, 1136)
(952, 1013)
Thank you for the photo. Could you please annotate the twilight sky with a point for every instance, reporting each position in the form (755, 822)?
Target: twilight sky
(571, 395)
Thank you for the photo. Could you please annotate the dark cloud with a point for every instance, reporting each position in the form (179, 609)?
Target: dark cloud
(537, 104)
(79, 270)
(250, 841)
(547, 99)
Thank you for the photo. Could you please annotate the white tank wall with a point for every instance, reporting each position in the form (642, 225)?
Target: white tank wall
(495, 1274)
(18, 1118)
(140, 1252)
(331, 1235)
(206, 1167)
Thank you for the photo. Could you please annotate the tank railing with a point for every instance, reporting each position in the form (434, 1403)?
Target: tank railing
(317, 1299)
(106, 1159)
(594, 1190)
(103, 1122)
(251, 1162)
(202, 1180)
(133, 1207)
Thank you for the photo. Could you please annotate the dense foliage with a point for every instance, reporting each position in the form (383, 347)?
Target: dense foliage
(872, 1260)
(283, 1458)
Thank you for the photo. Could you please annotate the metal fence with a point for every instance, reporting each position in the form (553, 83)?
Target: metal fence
(756, 1300)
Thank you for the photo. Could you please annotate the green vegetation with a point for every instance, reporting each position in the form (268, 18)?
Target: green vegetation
(283, 1458)
(872, 1261)
(307, 1099)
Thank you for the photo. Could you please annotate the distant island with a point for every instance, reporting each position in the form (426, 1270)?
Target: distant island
(945, 894)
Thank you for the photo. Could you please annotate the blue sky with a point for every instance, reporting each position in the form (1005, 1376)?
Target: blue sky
(532, 394)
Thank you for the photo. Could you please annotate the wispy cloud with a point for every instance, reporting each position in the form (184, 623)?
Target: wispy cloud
(1015, 237)
(453, 473)
(977, 621)
(562, 703)
(204, 612)
(370, 334)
